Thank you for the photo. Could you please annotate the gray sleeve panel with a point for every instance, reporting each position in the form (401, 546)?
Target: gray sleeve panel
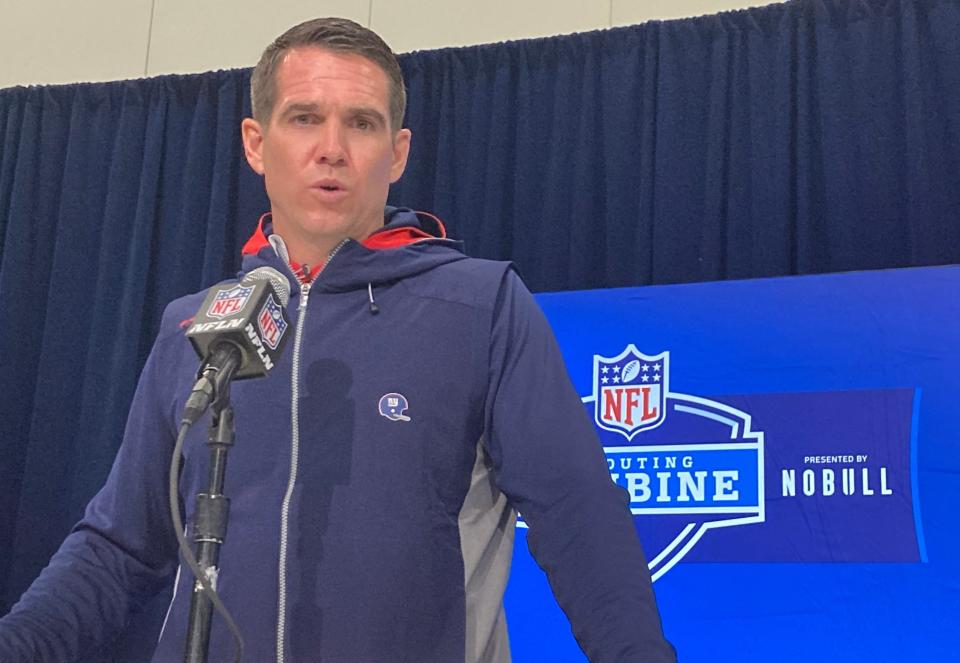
(487, 528)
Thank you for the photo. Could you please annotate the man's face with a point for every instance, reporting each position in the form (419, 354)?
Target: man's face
(328, 154)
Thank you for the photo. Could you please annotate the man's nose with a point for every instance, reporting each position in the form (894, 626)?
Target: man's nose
(330, 145)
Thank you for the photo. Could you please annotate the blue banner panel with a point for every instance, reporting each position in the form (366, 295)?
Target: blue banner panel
(791, 457)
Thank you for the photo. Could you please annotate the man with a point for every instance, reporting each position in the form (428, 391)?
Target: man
(376, 469)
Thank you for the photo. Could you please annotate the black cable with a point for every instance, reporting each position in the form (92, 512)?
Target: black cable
(188, 555)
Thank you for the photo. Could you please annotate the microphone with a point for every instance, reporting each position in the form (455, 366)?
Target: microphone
(238, 333)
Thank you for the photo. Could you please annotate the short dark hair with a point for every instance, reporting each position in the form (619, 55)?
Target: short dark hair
(335, 34)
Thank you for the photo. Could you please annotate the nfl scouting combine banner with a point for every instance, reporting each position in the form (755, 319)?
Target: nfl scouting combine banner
(791, 458)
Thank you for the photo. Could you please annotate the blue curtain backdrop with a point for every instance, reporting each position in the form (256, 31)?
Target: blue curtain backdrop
(809, 136)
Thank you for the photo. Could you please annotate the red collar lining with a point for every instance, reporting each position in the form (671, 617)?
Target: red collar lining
(386, 238)
(258, 239)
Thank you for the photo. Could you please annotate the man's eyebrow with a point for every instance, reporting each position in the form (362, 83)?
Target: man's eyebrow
(300, 107)
(355, 111)
(367, 111)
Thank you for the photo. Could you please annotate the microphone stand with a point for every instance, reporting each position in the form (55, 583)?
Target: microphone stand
(210, 526)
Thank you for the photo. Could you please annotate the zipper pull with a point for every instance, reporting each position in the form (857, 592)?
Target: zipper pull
(304, 295)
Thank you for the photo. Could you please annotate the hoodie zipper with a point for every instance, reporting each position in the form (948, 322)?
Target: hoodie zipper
(294, 455)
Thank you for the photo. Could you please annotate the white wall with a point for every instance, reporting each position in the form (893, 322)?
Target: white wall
(65, 41)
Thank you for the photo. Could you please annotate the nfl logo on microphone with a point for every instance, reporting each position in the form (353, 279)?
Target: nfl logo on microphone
(271, 323)
(229, 301)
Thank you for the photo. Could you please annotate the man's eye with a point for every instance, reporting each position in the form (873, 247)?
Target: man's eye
(303, 118)
(362, 124)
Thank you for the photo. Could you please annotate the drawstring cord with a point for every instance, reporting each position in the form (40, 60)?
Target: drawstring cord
(374, 309)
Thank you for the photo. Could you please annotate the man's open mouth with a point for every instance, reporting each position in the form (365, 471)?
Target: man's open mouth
(330, 186)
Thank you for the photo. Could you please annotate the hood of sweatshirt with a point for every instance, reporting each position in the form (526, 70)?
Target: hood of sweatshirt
(409, 243)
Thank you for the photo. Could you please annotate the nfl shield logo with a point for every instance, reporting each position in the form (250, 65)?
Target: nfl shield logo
(630, 391)
(229, 301)
(271, 323)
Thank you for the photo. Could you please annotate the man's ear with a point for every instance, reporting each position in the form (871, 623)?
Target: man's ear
(401, 150)
(252, 134)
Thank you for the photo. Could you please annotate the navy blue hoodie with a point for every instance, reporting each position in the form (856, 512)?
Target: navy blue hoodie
(374, 477)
